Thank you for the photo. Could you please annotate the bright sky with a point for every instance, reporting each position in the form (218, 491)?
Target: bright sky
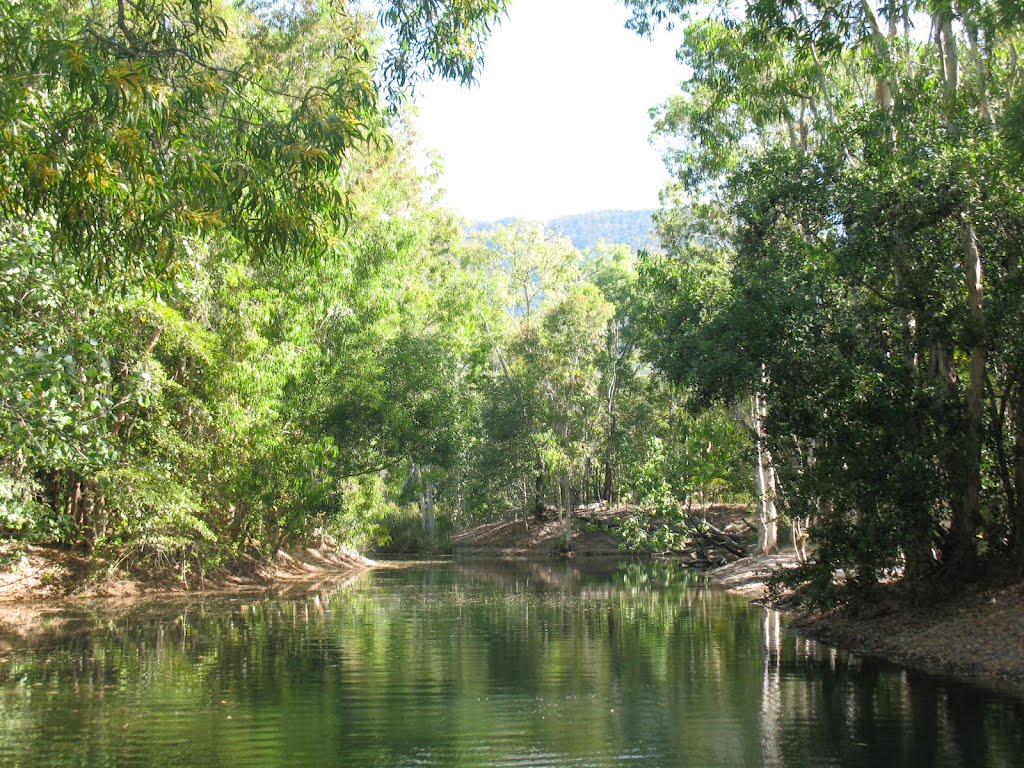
(558, 122)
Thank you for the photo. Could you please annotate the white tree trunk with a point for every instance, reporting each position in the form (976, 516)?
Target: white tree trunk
(966, 524)
(767, 519)
(428, 510)
(426, 500)
(567, 499)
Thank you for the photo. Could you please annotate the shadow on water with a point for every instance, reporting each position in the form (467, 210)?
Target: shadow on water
(545, 663)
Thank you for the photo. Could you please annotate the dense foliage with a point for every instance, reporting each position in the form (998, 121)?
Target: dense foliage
(232, 319)
(208, 236)
(855, 266)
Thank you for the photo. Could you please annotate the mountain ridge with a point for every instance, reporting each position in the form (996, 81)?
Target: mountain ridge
(634, 228)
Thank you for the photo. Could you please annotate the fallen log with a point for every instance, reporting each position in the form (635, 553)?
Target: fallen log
(717, 537)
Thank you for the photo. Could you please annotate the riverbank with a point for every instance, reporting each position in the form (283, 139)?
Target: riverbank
(47, 573)
(974, 632)
(598, 531)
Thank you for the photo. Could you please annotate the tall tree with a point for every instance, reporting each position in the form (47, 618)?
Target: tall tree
(850, 158)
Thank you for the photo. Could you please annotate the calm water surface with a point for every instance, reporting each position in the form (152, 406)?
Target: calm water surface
(473, 665)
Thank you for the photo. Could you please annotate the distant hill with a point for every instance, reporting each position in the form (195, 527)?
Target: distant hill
(586, 230)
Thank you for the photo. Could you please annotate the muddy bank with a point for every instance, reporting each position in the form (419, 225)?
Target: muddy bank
(974, 633)
(51, 573)
(596, 531)
(533, 538)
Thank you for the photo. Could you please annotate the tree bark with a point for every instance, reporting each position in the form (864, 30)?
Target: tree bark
(429, 521)
(426, 500)
(570, 504)
(608, 457)
(965, 525)
(613, 388)
(1018, 477)
(538, 493)
(767, 522)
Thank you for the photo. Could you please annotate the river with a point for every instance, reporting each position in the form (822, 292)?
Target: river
(464, 664)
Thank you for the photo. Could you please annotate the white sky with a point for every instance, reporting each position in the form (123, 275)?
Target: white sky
(558, 122)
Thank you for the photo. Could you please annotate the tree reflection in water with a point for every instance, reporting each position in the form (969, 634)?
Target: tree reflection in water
(476, 664)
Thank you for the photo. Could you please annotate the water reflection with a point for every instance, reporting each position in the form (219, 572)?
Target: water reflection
(536, 664)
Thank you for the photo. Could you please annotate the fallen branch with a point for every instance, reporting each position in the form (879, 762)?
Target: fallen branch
(717, 537)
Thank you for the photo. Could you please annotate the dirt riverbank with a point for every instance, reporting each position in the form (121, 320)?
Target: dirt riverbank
(974, 632)
(38, 573)
(597, 531)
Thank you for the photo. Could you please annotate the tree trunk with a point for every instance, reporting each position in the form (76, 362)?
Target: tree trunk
(949, 56)
(429, 525)
(1018, 477)
(426, 500)
(538, 493)
(767, 519)
(92, 510)
(608, 474)
(589, 489)
(881, 44)
(558, 499)
(85, 509)
(613, 389)
(569, 501)
(73, 506)
(965, 525)
(977, 62)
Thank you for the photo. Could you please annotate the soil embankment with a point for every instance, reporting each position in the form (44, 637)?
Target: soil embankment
(47, 573)
(597, 530)
(975, 632)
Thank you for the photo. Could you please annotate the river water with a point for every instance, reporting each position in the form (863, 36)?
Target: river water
(540, 664)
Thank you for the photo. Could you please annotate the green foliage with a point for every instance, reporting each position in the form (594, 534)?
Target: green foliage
(231, 319)
(566, 411)
(208, 233)
(405, 535)
(19, 511)
(656, 526)
(842, 249)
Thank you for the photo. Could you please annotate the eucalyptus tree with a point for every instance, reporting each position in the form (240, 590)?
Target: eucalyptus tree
(527, 271)
(685, 326)
(612, 269)
(864, 153)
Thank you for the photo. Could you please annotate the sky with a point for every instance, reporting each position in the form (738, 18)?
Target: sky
(558, 122)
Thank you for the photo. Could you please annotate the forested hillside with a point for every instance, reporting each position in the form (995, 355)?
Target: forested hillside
(585, 230)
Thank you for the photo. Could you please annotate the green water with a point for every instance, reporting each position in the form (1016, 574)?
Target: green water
(543, 664)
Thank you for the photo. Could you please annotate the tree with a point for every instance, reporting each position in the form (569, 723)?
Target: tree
(179, 178)
(850, 160)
